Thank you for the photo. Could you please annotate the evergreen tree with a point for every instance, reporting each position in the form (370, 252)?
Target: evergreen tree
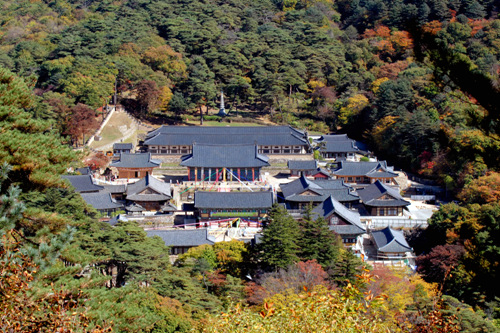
(280, 238)
(318, 242)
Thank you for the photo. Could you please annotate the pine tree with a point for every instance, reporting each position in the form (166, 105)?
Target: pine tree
(279, 247)
(318, 242)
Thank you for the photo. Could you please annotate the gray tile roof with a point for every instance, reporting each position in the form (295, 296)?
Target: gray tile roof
(323, 188)
(390, 240)
(134, 208)
(190, 237)
(229, 156)
(114, 189)
(331, 206)
(263, 135)
(127, 160)
(370, 195)
(227, 130)
(346, 229)
(322, 171)
(370, 169)
(123, 146)
(100, 201)
(302, 165)
(233, 200)
(157, 190)
(83, 183)
(337, 143)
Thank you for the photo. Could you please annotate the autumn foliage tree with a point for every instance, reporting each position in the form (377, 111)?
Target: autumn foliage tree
(83, 122)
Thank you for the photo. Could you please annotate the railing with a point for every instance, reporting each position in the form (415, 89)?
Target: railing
(396, 222)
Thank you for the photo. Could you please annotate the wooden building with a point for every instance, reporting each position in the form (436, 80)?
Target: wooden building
(341, 220)
(365, 172)
(135, 165)
(382, 200)
(148, 193)
(390, 244)
(249, 207)
(181, 240)
(301, 192)
(270, 140)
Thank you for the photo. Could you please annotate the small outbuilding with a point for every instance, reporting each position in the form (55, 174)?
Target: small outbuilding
(181, 240)
(390, 244)
(135, 165)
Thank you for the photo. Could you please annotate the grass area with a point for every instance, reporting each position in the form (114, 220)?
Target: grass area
(108, 136)
(111, 132)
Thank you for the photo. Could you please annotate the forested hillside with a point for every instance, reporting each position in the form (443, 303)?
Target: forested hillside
(417, 80)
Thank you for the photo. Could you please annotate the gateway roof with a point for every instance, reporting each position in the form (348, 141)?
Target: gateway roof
(233, 200)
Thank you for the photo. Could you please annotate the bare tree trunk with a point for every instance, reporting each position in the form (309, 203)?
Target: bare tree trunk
(116, 84)
(201, 115)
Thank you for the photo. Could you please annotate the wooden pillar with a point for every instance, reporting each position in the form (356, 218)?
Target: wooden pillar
(217, 174)
(209, 174)
(239, 173)
(203, 176)
(224, 175)
(189, 174)
(253, 174)
(195, 175)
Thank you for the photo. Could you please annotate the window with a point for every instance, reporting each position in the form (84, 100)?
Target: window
(358, 179)
(266, 151)
(296, 151)
(334, 220)
(184, 151)
(163, 151)
(173, 151)
(153, 151)
(276, 151)
(286, 151)
(349, 179)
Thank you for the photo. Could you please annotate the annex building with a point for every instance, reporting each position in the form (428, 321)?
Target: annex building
(270, 140)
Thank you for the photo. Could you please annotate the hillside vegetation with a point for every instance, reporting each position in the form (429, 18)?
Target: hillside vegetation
(417, 80)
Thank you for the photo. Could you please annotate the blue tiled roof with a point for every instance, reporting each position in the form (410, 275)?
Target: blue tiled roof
(233, 200)
(370, 195)
(263, 135)
(331, 206)
(123, 146)
(159, 191)
(127, 160)
(188, 238)
(323, 189)
(100, 201)
(302, 165)
(370, 169)
(228, 156)
(83, 183)
(390, 240)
